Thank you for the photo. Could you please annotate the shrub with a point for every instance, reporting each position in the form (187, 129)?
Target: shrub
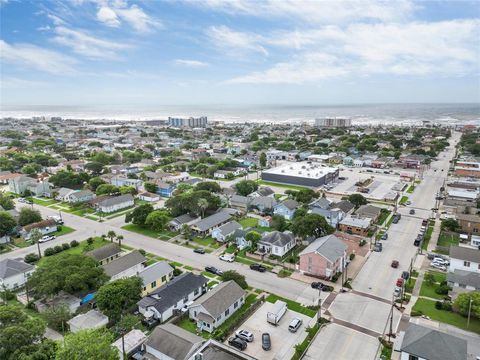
(49, 252)
(362, 242)
(442, 290)
(177, 272)
(31, 258)
(57, 249)
(447, 306)
(143, 252)
(416, 313)
(352, 256)
(7, 295)
(336, 276)
(74, 243)
(438, 305)
(65, 246)
(90, 241)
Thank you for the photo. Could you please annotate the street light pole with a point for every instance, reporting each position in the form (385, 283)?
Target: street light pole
(319, 315)
(469, 311)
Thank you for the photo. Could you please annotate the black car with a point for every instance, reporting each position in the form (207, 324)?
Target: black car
(266, 342)
(258, 267)
(238, 343)
(213, 270)
(405, 275)
(416, 242)
(321, 286)
(199, 251)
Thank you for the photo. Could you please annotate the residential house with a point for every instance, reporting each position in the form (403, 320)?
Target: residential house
(91, 320)
(214, 350)
(346, 206)
(105, 254)
(206, 225)
(239, 202)
(131, 343)
(171, 342)
(263, 191)
(21, 184)
(354, 225)
(14, 273)
(212, 309)
(324, 257)
(111, 204)
(348, 161)
(155, 275)
(265, 221)
(276, 243)
(148, 196)
(465, 259)
(223, 174)
(423, 343)
(124, 181)
(461, 281)
(264, 204)
(469, 223)
(369, 211)
(62, 193)
(286, 209)
(221, 233)
(45, 227)
(177, 223)
(6, 176)
(125, 266)
(332, 214)
(79, 196)
(165, 189)
(172, 296)
(239, 237)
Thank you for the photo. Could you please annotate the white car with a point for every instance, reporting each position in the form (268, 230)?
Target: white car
(46, 238)
(244, 335)
(227, 257)
(440, 261)
(397, 291)
(438, 266)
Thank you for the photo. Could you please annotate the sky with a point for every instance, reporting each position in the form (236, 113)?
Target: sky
(285, 52)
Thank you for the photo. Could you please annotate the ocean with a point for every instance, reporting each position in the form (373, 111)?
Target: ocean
(371, 114)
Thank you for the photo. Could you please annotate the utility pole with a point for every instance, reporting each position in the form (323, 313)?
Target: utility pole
(319, 314)
(469, 311)
(390, 333)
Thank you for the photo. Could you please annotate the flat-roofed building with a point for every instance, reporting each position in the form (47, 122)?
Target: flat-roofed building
(301, 173)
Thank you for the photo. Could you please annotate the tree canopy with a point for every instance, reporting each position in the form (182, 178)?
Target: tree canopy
(188, 203)
(69, 179)
(357, 199)
(157, 219)
(246, 187)
(235, 276)
(107, 189)
(28, 216)
(71, 273)
(139, 215)
(119, 296)
(7, 223)
(462, 303)
(88, 344)
(311, 225)
(211, 186)
(450, 224)
(6, 202)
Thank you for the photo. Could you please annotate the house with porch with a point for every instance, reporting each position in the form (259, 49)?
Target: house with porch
(276, 243)
(221, 233)
(206, 225)
(286, 209)
(45, 227)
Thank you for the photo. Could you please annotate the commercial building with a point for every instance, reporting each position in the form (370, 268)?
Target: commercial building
(301, 173)
(199, 122)
(333, 122)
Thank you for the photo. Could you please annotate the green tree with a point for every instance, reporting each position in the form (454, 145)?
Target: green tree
(119, 296)
(150, 187)
(128, 190)
(94, 167)
(311, 225)
(462, 303)
(202, 204)
(139, 215)
(111, 235)
(211, 186)
(246, 187)
(254, 237)
(57, 316)
(7, 223)
(357, 200)
(107, 189)
(71, 273)
(88, 345)
(28, 216)
(95, 182)
(235, 276)
(69, 179)
(306, 195)
(263, 160)
(31, 169)
(450, 224)
(6, 202)
(279, 223)
(188, 202)
(157, 220)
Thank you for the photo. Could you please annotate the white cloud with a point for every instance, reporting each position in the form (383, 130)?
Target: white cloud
(447, 48)
(334, 11)
(233, 42)
(117, 11)
(36, 57)
(108, 17)
(85, 44)
(191, 63)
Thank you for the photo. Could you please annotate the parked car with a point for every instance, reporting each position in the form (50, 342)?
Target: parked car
(416, 242)
(395, 264)
(321, 286)
(258, 267)
(378, 247)
(384, 236)
(400, 282)
(199, 251)
(213, 270)
(408, 202)
(244, 335)
(438, 266)
(185, 307)
(424, 222)
(266, 342)
(412, 211)
(227, 257)
(405, 275)
(46, 238)
(238, 343)
(441, 261)
(295, 325)
(397, 291)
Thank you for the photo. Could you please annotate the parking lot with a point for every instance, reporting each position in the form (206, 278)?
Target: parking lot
(283, 341)
(381, 187)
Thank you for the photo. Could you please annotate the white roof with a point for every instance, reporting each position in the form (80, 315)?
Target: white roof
(302, 170)
(463, 194)
(131, 340)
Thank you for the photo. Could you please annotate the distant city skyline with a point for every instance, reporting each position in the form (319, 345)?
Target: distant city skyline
(116, 52)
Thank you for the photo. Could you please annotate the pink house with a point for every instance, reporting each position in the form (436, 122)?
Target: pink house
(324, 257)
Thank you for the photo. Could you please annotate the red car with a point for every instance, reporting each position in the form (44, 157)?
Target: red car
(395, 264)
(400, 282)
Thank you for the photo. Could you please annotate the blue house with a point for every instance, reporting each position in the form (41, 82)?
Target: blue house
(286, 209)
(165, 189)
(348, 161)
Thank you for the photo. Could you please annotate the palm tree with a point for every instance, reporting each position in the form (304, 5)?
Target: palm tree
(35, 236)
(203, 205)
(111, 234)
(120, 238)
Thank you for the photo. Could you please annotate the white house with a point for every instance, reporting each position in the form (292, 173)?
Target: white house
(79, 196)
(45, 227)
(112, 204)
(14, 273)
(148, 196)
(212, 309)
(276, 243)
(223, 232)
(286, 209)
(125, 266)
(463, 258)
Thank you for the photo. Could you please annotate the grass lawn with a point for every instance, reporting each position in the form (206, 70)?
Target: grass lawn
(286, 186)
(64, 230)
(427, 307)
(42, 202)
(411, 189)
(208, 241)
(447, 239)
(163, 235)
(249, 222)
(403, 200)
(208, 274)
(438, 276)
(383, 216)
(410, 285)
(82, 247)
(428, 236)
(191, 326)
(429, 291)
(292, 305)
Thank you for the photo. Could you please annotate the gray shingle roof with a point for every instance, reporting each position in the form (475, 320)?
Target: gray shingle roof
(344, 205)
(465, 278)
(229, 227)
(11, 267)
(432, 344)
(239, 199)
(123, 263)
(182, 219)
(155, 272)
(169, 294)
(265, 191)
(104, 252)
(212, 221)
(265, 201)
(290, 204)
(82, 193)
(174, 341)
(463, 253)
(368, 211)
(116, 200)
(277, 238)
(220, 298)
(330, 247)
